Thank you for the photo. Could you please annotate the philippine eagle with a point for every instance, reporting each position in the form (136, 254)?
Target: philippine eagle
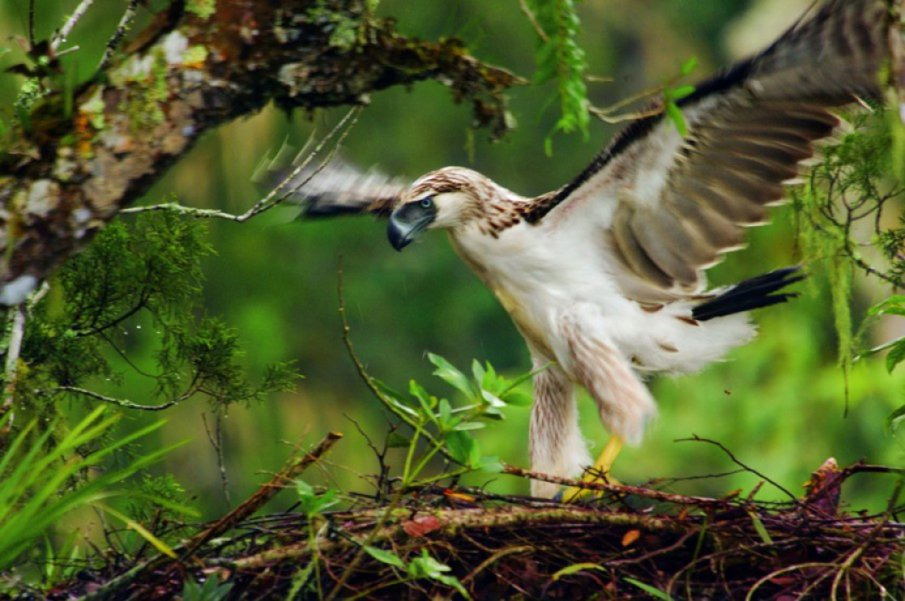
(604, 276)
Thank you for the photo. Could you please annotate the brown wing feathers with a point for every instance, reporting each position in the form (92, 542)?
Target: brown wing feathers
(341, 189)
(749, 129)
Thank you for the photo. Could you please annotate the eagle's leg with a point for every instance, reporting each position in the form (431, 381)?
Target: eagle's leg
(555, 441)
(623, 401)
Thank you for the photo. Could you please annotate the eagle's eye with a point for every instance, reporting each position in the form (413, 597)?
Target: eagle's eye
(426, 203)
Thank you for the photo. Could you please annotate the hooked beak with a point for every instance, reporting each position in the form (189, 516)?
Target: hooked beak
(407, 222)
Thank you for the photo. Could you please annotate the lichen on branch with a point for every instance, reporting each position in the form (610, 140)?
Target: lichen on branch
(78, 156)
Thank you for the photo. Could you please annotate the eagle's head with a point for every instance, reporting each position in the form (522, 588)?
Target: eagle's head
(449, 198)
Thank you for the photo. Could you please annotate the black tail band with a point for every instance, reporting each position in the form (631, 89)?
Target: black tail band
(751, 294)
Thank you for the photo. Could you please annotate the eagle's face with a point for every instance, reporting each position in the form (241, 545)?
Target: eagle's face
(445, 199)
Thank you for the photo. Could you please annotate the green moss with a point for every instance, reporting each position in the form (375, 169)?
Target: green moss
(845, 196)
(146, 95)
(343, 28)
(195, 55)
(94, 109)
(201, 8)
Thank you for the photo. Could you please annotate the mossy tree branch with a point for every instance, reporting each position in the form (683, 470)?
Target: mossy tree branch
(77, 159)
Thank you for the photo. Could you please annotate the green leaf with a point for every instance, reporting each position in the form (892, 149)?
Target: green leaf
(650, 590)
(896, 355)
(760, 528)
(675, 115)
(427, 401)
(395, 440)
(461, 446)
(386, 557)
(313, 503)
(560, 58)
(894, 305)
(392, 398)
(428, 567)
(575, 568)
(445, 415)
(492, 399)
(892, 422)
(518, 398)
(490, 465)
(478, 372)
(463, 426)
(447, 372)
(211, 590)
(489, 378)
(453, 582)
(679, 92)
(688, 66)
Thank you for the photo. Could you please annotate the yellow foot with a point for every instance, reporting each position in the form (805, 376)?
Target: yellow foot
(600, 472)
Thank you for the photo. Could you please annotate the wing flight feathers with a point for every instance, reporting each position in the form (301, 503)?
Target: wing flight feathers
(341, 189)
(337, 188)
(668, 206)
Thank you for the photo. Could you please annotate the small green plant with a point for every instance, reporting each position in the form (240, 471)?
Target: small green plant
(560, 58)
(41, 481)
(674, 92)
(841, 212)
(423, 566)
(312, 504)
(137, 284)
(446, 428)
(211, 590)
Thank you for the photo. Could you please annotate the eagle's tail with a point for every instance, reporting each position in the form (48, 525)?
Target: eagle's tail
(760, 291)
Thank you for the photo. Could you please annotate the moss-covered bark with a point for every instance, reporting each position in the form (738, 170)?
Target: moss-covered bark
(70, 170)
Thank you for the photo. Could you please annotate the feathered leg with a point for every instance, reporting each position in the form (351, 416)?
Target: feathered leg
(624, 403)
(555, 441)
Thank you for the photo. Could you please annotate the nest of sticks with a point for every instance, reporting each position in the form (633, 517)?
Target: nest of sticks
(618, 542)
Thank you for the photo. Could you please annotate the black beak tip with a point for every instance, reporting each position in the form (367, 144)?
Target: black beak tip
(397, 239)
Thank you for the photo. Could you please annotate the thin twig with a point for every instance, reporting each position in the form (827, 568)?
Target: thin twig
(31, 24)
(125, 404)
(737, 462)
(278, 194)
(121, 28)
(11, 370)
(70, 24)
(606, 117)
(293, 468)
(620, 489)
(216, 440)
(366, 377)
(533, 20)
(495, 558)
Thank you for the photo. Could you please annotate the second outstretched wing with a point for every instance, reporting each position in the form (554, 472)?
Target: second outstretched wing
(669, 205)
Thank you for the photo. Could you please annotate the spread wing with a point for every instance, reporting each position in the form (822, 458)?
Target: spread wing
(669, 206)
(339, 188)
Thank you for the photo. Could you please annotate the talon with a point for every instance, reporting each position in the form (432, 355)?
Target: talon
(599, 472)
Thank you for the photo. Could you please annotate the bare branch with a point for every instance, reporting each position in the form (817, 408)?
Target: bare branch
(70, 24)
(11, 370)
(121, 28)
(125, 404)
(737, 462)
(274, 197)
(216, 440)
(533, 20)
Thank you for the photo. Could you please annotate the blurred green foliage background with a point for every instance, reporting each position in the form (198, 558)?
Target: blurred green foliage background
(778, 403)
